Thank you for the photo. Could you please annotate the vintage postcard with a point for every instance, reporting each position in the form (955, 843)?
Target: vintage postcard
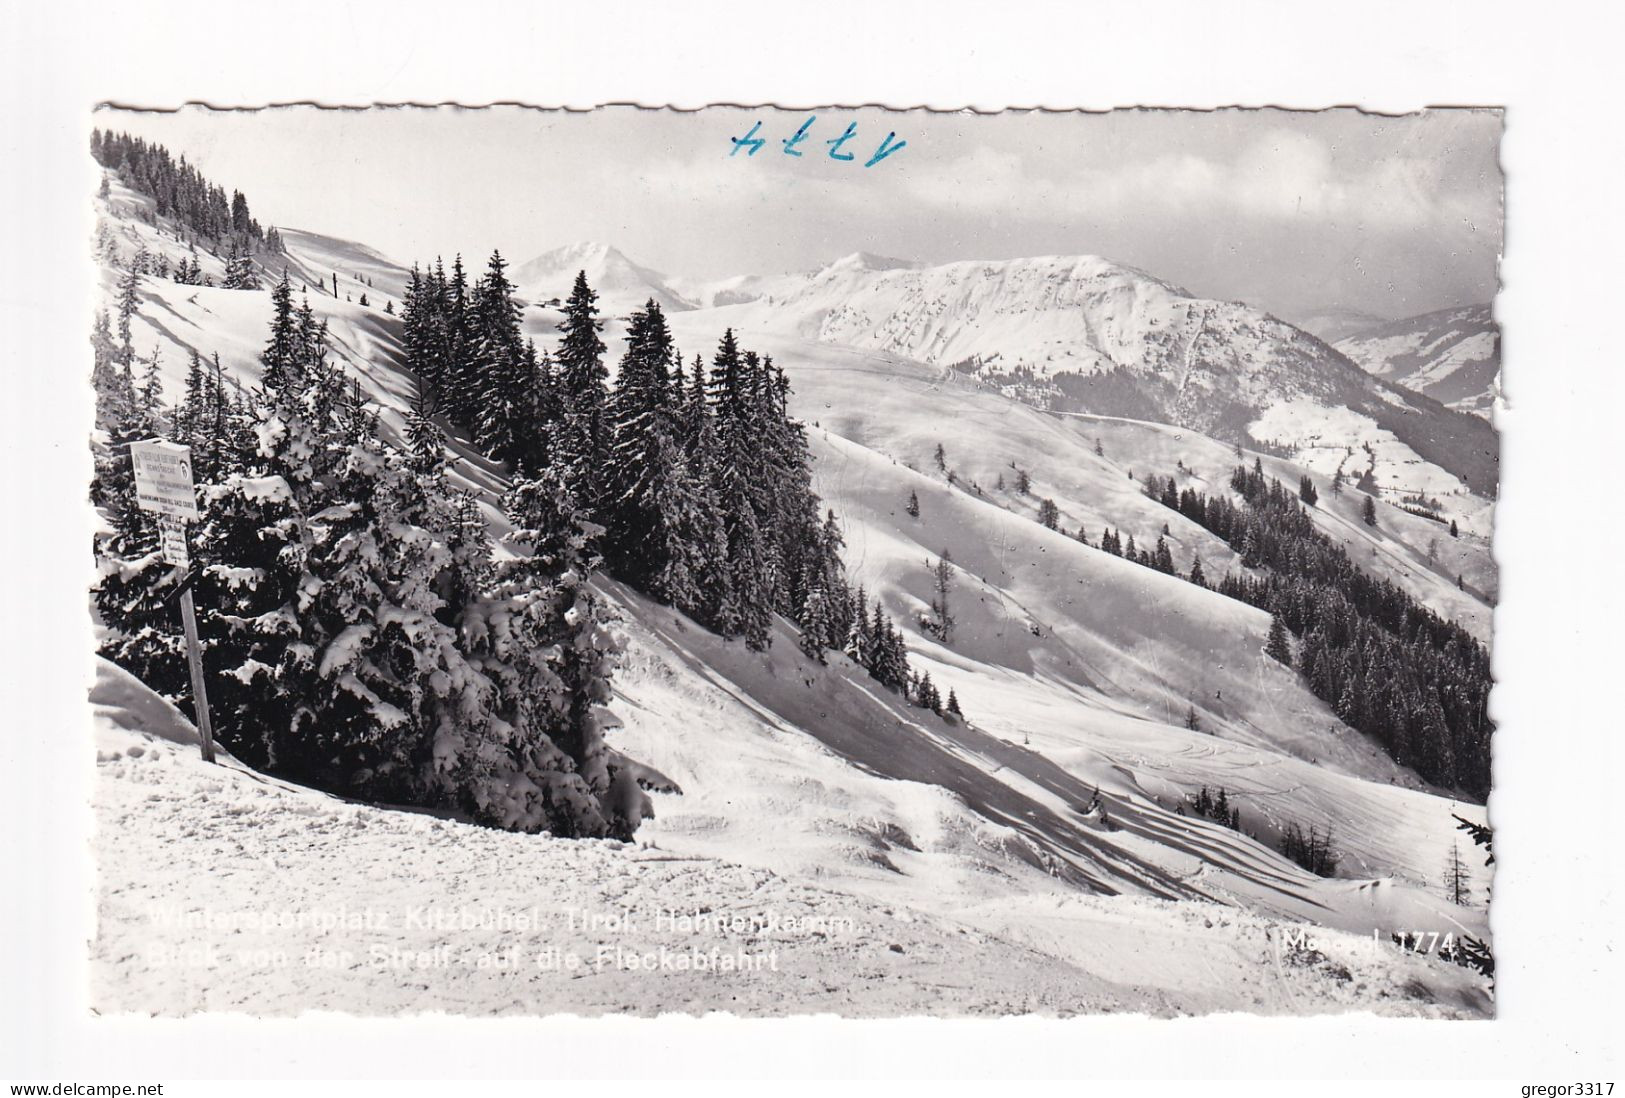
(783, 562)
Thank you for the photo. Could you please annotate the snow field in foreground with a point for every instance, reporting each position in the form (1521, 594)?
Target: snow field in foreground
(223, 890)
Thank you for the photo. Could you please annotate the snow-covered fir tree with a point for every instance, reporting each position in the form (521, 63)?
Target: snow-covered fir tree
(580, 441)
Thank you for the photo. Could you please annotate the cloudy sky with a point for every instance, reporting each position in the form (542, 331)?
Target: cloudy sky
(1294, 212)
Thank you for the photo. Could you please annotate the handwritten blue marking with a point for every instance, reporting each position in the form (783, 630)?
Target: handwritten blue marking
(750, 139)
(885, 150)
(835, 145)
(790, 143)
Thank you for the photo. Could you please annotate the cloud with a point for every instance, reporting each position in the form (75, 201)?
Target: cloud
(1281, 175)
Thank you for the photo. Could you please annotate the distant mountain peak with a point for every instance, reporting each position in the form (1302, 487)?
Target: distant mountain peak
(582, 250)
(618, 280)
(869, 261)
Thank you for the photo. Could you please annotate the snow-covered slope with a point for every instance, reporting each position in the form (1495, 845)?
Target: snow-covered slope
(1074, 667)
(621, 284)
(1453, 356)
(224, 890)
(315, 259)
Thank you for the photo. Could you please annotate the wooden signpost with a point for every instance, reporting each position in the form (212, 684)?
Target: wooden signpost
(163, 484)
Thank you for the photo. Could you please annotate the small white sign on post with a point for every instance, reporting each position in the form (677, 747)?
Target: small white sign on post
(163, 483)
(174, 541)
(163, 478)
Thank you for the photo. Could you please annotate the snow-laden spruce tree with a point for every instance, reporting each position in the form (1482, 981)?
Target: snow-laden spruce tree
(815, 623)
(386, 674)
(707, 539)
(255, 545)
(504, 366)
(745, 481)
(539, 636)
(690, 543)
(641, 475)
(580, 438)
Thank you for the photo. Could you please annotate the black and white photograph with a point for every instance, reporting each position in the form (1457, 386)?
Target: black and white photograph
(881, 563)
(766, 548)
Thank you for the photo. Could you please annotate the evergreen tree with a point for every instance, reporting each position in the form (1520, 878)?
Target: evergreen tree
(1368, 512)
(1458, 885)
(886, 656)
(505, 370)
(453, 340)
(826, 568)
(581, 439)
(643, 450)
(239, 270)
(746, 610)
(115, 389)
(815, 622)
(1162, 558)
(745, 605)
(425, 445)
(1278, 648)
(150, 393)
(926, 695)
(695, 414)
(941, 624)
(385, 673)
(1049, 515)
(133, 569)
(550, 658)
(707, 526)
(1306, 490)
(913, 505)
(1312, 851)
(129, 303)
(860, 633)
(281, 361)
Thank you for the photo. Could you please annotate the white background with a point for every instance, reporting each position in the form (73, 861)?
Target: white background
(1553, 65)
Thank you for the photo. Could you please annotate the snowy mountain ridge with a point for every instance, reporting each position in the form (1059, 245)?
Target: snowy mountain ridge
(1452, 355)
(1084, 333)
